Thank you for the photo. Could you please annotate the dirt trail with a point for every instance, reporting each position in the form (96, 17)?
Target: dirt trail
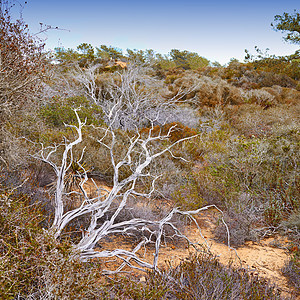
(262, 258)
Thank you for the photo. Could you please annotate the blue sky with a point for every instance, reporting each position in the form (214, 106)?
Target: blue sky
(217, 30)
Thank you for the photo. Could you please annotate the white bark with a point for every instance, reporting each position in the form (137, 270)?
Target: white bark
(131, 98)
(139, 155)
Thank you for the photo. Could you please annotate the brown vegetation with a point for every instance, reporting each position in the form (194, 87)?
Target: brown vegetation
(162, 132)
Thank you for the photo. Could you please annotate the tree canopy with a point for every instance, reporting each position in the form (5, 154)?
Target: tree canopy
(188, 60)
(107, 52)
(290, 25)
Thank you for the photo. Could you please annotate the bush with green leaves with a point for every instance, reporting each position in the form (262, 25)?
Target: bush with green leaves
(33, 264)
(60, 111)
(257, 174)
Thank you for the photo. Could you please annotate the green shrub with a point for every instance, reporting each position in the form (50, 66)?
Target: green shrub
(33, 263)
(60, 111)
(191, 194)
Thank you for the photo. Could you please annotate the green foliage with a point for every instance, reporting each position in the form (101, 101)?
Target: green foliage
(66, 55)
(60, 111)
(175, 59)
(285, 66)
(164, 62)
(87, 51)
(245, 160)
(84, 51)
(259, 165)
(191, 194)
(109, 52)
(141, 57)
(34, 263)
(188, 60)
(238, 173)
(137, 56)
(290, 25)
(19, 226)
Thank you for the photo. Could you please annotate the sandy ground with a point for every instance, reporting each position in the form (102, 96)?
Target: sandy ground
(261, 258)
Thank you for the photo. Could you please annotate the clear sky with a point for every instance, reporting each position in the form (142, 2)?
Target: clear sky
(216, 29)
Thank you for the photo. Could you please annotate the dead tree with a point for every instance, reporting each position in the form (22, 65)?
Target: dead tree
(131, 97)
(103, 223)
(22, 63)
(132, 101)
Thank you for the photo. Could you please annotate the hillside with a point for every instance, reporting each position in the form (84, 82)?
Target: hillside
(144, 176)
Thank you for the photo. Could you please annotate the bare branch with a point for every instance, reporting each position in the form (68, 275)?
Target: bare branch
(103, 210)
